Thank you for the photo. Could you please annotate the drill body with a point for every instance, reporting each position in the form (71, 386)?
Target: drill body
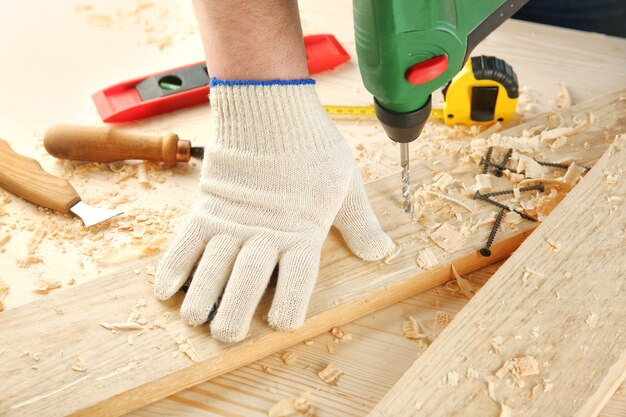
(407, 49)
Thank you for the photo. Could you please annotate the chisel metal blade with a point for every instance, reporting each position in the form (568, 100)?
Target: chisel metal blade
(93, 215)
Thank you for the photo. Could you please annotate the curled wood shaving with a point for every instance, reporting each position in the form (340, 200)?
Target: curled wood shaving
(45, 285)
(411, 330)
(451, 199)
(330, 374)
(447, 238)
(142, 175)
(4, 290)
(339, 334)
(185, 346)
(562, 99)
(293, 407)
(464, 285)
(289, 357)
(592, 319)
(79, 365)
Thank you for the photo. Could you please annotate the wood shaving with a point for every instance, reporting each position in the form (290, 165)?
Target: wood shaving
(429, 223)
(573, 175)
(142, 175)
(289, 358)
(471, 374)
(427, 259)
(496, 345)
(452, 378)
(121, 326)
(266, 369)
(562, 99)
(530, 168)
(340, 334)
(483, 183)
(411, 330)
(512, 217)
(43, 286)
(506, 411)
(330, 374)
(556, 133)
(451, 199)
(442, 319)
(442, 180)
(556, 246)
(448, 238)
(464, 285)
(308, 342)
(4, 290)
(4, 238)
(393, 254)
(525, 366)
(293, 407)
(185, 346)
(79, 365)
(592, 320)
(330, 349)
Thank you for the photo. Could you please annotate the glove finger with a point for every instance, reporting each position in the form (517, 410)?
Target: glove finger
(251, 273)
(176, 265)
(298, 270)
(209, 279)
(359, 226)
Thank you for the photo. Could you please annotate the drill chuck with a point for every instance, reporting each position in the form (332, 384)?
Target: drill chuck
(403, 127)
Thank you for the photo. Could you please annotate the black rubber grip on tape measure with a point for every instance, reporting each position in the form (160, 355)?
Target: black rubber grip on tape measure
(492, 68)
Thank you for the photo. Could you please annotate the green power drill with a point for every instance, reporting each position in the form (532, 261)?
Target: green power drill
(409, 48)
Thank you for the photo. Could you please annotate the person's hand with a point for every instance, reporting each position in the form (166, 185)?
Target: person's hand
(276, 179)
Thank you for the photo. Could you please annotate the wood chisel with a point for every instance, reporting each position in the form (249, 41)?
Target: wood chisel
(26, 178)
(107, 144)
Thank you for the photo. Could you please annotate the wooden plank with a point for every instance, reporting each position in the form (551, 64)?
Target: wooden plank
(563, 308)
(121, 376)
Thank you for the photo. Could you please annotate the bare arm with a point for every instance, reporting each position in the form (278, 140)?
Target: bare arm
(252, 40)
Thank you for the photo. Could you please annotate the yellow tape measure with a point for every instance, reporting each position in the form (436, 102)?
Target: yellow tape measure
(366, 111)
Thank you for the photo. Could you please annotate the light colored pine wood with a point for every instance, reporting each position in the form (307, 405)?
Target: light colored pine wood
(121, 377)
(568, 315)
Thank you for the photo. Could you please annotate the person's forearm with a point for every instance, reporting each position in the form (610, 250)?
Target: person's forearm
(252, 40)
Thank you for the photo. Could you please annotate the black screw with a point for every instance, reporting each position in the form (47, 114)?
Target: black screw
(487, 159)
(555, 165)
(479, 196)
(486, 252)
(505, 160)
(538, 187)
(483, 161)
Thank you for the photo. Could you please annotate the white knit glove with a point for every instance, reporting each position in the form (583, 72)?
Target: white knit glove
(277, 177)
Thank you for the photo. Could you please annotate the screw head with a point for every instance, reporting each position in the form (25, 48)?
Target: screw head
(485, 252)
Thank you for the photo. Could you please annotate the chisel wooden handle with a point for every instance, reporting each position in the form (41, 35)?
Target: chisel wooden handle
(106, 144)
(26, 178)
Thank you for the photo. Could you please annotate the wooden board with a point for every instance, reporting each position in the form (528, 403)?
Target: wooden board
(563, 308)
(121, 376)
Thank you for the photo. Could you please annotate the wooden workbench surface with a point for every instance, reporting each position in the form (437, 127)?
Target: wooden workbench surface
(56, 54)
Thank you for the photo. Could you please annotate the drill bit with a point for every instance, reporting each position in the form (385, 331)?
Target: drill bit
(406, 178)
